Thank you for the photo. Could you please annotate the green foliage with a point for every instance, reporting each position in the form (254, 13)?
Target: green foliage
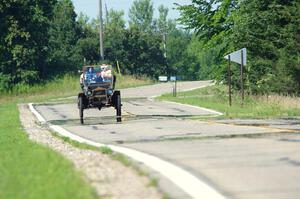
(268, 29)
(24, 38)
(211, 20)
(28, 170)
(141, 15)
(162, 22)
(144, 54)
(45, 39)
(63, 37)
(114, 44)
(5, 82)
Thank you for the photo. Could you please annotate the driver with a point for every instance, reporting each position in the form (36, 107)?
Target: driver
(90, 74)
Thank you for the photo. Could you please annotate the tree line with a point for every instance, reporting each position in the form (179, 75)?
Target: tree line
(42, 39)
(269, 29)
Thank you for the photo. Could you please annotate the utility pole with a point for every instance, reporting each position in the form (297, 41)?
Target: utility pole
(106, 14)
(165, 43)
(101, 31)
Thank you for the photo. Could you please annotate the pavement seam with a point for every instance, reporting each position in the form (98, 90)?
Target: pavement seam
(271, 129)
(197, 107)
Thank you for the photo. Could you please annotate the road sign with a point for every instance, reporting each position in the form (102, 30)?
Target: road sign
(163, 78)
(237, 56)
(173, 78)
(240, 57)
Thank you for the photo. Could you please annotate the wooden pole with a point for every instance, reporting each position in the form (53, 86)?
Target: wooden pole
(101, 31)
(118, 66)
(229, 80)
(242, 76)
(175, 88)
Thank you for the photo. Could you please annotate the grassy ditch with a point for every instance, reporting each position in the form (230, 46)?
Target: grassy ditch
(261, 107)
(29, 170)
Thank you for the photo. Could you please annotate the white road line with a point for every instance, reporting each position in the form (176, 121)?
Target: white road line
(196, 107)
(37, 114)
(186, 181)
(152, 98)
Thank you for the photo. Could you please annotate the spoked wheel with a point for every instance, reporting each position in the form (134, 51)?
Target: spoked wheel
(118, 108)
(80, 106)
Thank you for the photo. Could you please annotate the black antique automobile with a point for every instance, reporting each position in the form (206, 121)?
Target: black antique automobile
(98, 90)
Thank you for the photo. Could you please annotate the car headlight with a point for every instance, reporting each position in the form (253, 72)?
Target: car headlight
(109, 92)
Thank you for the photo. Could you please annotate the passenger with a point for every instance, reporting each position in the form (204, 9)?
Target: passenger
(106, 73)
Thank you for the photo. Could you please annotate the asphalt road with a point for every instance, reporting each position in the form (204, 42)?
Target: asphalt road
(240, 161)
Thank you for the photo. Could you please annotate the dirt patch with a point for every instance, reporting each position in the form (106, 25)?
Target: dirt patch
(110, 178)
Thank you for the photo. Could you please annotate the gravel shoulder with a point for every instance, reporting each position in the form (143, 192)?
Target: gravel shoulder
(110, 178)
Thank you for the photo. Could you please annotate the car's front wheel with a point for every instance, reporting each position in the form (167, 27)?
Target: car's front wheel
(118, 108)
(80, 106)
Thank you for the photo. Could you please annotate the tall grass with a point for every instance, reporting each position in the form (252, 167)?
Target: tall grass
(215, 97)
(127, 81)
(287, 102)
(68, 85)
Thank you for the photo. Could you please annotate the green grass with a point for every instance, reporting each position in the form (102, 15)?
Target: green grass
(215, 97)
(29, 170)
(126, 81)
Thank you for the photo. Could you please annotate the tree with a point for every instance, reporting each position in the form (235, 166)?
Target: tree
(270, 30)
(180, 61)
(206, 59)
(141, 15)
(87, 46)
(24, 40)
(115, 19)
(115, 36)
(162, 22)
(64, 34)
(212, 20)
(144, 56)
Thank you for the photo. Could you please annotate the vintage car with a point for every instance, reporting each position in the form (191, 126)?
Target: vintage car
(98, 90)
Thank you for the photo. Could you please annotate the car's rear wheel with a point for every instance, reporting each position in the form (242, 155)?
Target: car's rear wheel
(80, 106)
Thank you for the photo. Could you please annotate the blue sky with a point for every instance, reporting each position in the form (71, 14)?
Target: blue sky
(90, 7)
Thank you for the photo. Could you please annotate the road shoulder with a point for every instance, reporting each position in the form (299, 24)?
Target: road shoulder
(100, 170)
